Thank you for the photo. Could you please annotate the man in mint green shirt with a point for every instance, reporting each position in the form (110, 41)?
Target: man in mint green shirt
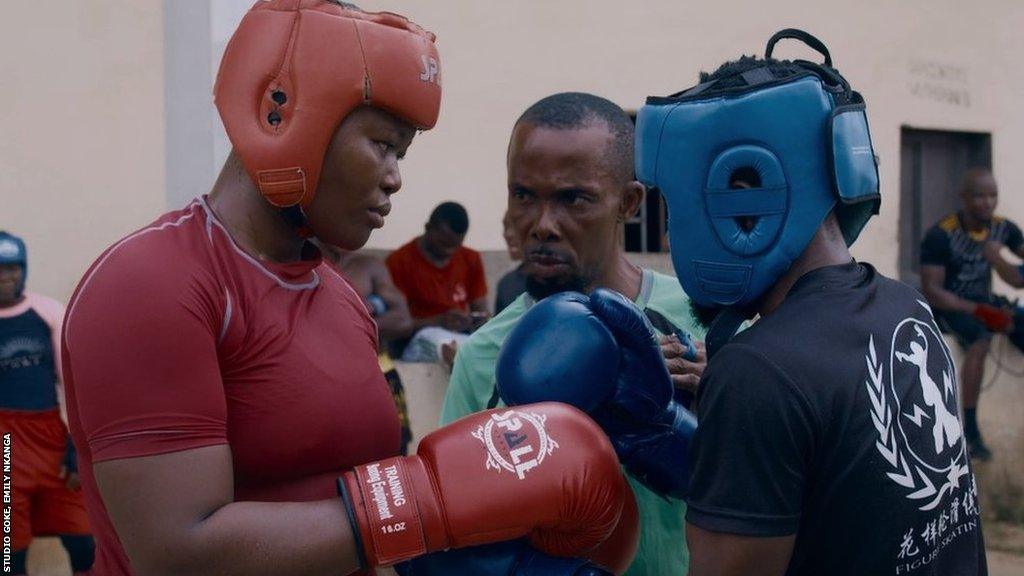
(570, 180)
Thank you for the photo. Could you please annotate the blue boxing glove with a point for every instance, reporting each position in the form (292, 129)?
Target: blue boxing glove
(512, 558)
(599, 354)
(559, 351)
(651, 432)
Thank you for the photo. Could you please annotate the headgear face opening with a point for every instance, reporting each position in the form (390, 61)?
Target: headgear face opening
(295, 69)
(805, 139)
(12, 251)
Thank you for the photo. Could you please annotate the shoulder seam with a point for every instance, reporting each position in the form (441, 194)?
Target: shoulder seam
(103, 260)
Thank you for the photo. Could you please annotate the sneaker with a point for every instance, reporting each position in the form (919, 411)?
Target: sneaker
(977, 449)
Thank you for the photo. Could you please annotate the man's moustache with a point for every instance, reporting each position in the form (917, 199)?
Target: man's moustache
(548, 253)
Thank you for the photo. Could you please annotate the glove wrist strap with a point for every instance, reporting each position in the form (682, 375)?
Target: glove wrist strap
(387, 515)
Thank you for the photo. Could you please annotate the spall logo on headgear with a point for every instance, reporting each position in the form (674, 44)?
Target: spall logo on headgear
(516, 441)
(430, 69)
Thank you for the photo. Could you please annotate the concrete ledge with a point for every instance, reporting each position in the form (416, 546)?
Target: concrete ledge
(425, 385)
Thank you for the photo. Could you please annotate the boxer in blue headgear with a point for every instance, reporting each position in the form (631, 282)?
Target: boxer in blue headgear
(45, 499)
(763, 156)
(13, 267)
(828, 441)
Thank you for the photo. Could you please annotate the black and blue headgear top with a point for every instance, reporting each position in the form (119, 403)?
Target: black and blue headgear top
(803, 136)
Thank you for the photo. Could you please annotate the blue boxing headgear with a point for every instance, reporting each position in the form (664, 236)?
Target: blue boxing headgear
(803, 137)
(12, 251)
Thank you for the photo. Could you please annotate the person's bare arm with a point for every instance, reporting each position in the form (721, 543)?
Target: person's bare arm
(454, 320)
(479, 312)
(479, 305)
(932, 279)
(720, 554)
(1010, 273)
(396, 322)
(174, 514)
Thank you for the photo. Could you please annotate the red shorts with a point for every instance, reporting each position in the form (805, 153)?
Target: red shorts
(41, 503)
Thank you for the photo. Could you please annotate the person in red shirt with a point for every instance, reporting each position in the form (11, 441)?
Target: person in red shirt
(222, 381)
(442, 279)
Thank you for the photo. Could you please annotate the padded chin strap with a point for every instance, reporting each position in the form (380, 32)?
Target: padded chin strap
(296, 218)
(723, 328)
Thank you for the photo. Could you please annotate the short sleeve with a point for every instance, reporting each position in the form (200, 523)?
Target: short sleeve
(752, 448)
(140, 359)
(52, 312)
(935, 247)
(1014, 237)
(471, 384)
(476, 284)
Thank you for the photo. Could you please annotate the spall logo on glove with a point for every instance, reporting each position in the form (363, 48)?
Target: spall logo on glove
(513, 446)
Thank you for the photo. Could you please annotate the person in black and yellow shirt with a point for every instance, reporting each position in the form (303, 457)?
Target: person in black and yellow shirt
(956, 278)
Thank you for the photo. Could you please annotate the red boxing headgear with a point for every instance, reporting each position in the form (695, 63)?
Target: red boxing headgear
(294, 70)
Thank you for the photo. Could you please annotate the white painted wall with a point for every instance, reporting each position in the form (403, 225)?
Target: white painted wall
(499, 57)
(82, 151)
(111, 118)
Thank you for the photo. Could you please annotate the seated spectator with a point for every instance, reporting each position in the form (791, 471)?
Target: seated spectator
(442, 280)
(957, 257)
(513, 283)
(371, 280)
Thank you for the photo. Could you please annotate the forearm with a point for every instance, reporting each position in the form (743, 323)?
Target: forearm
(253, 538)
(1010, 273)
(479, 305)
(721, 554)
(420, 323)
(394, 324)
(943, 299)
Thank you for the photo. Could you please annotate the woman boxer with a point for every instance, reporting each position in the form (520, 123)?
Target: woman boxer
(221, 379)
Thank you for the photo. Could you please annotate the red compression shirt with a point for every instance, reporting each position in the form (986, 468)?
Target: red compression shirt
(177, 339)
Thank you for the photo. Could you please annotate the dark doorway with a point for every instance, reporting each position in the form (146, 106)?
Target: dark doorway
(933, 164)
(645, 232)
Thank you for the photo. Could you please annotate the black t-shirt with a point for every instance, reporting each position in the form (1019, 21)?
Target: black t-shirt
(960, 251)
(818, 421)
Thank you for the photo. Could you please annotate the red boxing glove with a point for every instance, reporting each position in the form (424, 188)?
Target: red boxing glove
(544, 471)
(618, 551)
(995, 319)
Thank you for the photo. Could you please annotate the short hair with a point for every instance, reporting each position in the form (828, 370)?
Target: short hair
(974, 177)
(574, 110)
(729, 75)
(452, 214)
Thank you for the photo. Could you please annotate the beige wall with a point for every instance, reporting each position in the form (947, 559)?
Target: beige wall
(82, 156)
(85, 161)
(499, 57)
